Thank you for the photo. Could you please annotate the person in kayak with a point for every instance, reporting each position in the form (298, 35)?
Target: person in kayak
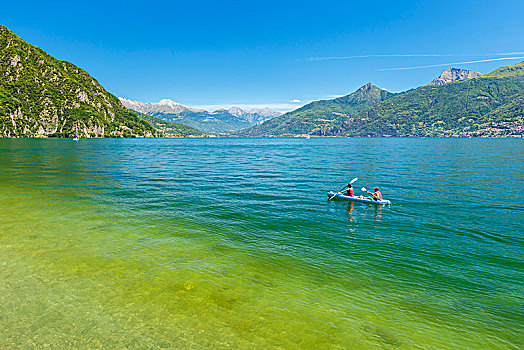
(377, 195)
(349, 191)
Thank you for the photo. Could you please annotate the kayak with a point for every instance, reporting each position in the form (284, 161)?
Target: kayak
(341, 196)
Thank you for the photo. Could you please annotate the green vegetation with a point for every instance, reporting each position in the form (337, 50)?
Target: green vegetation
(490, 105)
(41, 96)
(320, 117)
(509, 71)
(220, 121)
(169, 129)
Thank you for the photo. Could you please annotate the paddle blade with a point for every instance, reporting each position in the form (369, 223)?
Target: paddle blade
(364, 189)
(355, 179)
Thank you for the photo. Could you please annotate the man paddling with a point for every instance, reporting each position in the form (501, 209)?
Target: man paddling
(349, 191)
(376, 195)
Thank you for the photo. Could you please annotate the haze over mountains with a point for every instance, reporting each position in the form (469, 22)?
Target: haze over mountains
(219, 121)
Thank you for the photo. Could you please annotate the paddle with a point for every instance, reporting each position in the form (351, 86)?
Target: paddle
(371, 193)
(351, 182)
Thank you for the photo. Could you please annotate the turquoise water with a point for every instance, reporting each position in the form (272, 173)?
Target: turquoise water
(214, 243)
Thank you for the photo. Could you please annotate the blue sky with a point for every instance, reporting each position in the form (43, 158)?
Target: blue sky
(280, 54)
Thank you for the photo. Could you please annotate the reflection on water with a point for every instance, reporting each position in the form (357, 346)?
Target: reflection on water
(378, 212)
(350, 208)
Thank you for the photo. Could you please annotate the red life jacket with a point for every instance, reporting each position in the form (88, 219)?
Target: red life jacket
(378, 195)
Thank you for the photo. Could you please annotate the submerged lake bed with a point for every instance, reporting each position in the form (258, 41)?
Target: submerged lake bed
(231, 242)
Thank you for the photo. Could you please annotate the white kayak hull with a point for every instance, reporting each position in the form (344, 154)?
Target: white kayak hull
(343, 197)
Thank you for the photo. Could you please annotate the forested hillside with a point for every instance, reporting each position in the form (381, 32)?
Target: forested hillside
(320, 117)
(490, 105)
(41, 96)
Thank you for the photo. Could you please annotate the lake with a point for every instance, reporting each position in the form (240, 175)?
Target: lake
(231, 242)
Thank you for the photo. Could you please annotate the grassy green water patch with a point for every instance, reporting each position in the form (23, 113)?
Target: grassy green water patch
(77, 276)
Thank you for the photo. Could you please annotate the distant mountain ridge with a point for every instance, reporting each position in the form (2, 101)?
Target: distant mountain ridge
(219, 121)
(488, 105)
(255, 115)
(453, 74)
(458, 106)
(168, 129)
(516, 70)
(163, 106)
(320, 117)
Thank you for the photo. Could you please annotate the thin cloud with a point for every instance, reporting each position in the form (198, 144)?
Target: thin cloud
(331, 58)
(453, 63)
(295, 101)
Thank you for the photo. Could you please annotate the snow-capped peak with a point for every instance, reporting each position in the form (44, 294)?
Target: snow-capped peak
(168, 102)
(236, 111)
(165, 106)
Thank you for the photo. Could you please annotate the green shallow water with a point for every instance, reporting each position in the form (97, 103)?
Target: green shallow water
(214, 243)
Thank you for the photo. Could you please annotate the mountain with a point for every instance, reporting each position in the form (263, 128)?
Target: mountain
(41, 96)
(164, 106)
(485, 105)
(489, 105)
(452, 74)
(516, 70)
(256, 115)
(320, 117)
(168, 129)
(219, 121)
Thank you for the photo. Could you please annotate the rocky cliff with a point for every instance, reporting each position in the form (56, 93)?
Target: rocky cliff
(41, 96)
(452, 74)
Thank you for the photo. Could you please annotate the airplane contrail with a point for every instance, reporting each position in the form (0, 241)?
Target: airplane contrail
(329, 58)
(449, 64)
(369, 56)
